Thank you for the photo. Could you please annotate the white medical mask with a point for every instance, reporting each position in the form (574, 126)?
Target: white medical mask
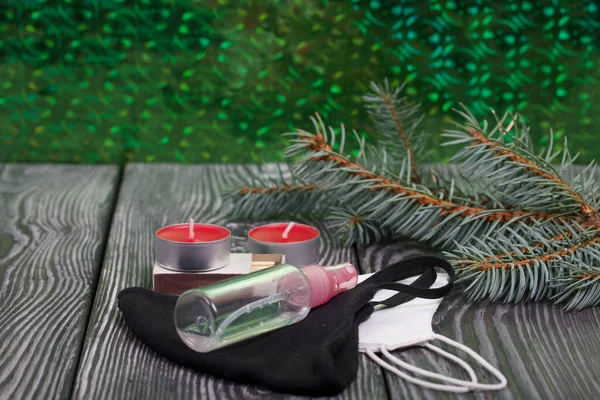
(409, 324)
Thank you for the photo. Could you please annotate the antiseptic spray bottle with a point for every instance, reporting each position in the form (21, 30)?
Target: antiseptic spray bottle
(236, 309)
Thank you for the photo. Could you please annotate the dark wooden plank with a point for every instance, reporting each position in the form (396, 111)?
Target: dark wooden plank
(114, 363)
(54, 221)
(544, 352)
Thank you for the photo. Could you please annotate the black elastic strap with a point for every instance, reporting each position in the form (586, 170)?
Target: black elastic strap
(424, 281)
(423, 266)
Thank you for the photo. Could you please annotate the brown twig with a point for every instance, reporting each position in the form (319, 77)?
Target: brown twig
(523, 250)
(355, 220)
(589, 275)
(318, 144)
(589, 212)
(404, 136)
(555, 255)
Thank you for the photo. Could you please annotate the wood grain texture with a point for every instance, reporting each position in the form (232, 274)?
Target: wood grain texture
(114, 364)
(54, 220)
(544, 352)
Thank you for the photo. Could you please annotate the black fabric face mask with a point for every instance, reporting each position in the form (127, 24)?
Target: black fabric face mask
(317, 356)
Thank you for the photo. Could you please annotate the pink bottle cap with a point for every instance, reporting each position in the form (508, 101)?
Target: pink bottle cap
(327, 282)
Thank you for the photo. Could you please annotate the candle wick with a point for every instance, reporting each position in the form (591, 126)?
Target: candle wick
(285, 233)
(191, 234)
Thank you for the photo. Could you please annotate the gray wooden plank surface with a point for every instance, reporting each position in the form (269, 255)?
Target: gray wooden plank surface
(114, 364)
(544, 352)
(54, 220)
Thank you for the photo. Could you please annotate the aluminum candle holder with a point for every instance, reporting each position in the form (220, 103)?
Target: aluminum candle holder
(299, 243)
(192, 247)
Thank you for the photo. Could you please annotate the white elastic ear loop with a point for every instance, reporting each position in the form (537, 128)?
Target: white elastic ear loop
(481, 361)
(416, 381)
(435, 375)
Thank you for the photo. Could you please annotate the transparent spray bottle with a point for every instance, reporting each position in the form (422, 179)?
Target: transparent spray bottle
(236, 309)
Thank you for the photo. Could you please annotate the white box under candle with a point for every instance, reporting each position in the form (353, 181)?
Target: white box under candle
(168, 281)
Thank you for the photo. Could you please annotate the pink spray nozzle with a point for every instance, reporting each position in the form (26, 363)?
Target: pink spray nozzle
(327, 282)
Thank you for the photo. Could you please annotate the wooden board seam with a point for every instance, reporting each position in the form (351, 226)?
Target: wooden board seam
(96, 279)
(383, 371)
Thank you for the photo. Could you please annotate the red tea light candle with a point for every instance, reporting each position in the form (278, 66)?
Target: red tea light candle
(192, 247)
(300, 243)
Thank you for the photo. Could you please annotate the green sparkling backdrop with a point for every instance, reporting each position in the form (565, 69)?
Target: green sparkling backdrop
(198, 81)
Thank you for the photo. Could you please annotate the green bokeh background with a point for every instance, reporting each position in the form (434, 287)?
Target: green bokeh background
(219, 81)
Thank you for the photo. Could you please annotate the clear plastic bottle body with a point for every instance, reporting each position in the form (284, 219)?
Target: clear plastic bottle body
(230, 311)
